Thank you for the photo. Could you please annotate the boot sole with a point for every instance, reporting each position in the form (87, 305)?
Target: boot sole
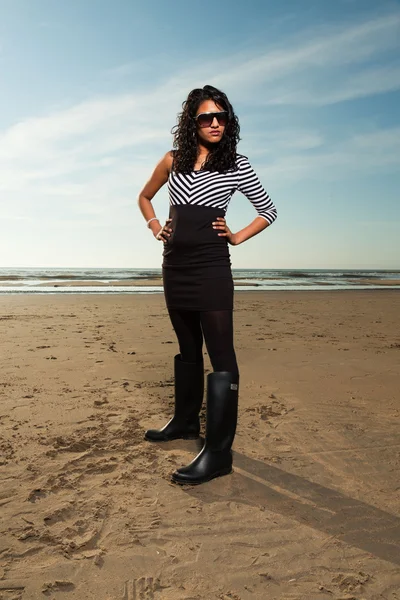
(170, 439)
(199, 481)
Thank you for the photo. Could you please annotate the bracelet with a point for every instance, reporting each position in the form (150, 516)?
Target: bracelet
(150, 220)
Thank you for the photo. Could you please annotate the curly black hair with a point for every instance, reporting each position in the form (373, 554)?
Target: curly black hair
(222, 155)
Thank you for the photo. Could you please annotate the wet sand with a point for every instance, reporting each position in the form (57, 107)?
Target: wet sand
(156, 282)
(311, 510)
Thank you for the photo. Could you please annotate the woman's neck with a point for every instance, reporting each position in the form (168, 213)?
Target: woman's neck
(203, 150)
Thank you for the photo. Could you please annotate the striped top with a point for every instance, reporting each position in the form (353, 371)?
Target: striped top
(211, 188)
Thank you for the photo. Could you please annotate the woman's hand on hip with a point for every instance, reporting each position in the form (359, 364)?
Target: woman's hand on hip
(164, 233)
(220, 224)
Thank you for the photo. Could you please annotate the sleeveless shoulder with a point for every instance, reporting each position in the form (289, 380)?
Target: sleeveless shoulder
(170, 155)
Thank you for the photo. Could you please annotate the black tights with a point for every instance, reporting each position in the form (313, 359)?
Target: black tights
(217, 328)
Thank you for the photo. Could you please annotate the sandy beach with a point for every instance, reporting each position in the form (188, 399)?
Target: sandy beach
(312, 509)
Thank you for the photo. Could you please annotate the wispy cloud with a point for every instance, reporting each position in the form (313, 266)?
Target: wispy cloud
(375, 152)
(367, 82)
(335, 51)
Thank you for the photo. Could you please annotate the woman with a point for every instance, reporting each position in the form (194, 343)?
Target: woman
(203, 171)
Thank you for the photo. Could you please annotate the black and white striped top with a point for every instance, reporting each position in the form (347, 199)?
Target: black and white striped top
(211, 188)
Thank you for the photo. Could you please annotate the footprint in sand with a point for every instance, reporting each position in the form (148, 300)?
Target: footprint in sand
(36, 494)
(142, 588)
(11, 591)
(49, 588)
(6, 451)
(268, 411)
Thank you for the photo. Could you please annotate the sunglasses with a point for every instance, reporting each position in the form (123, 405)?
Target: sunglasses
(206, 119)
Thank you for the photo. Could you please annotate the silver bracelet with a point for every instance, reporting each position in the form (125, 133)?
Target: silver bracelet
(150, 220)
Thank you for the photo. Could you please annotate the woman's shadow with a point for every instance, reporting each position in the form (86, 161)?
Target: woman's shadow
(260, 484)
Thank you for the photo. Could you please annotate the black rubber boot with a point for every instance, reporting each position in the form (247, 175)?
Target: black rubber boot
(215, 459)
(189, 391)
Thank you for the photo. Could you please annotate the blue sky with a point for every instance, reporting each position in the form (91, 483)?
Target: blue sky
(90, 90)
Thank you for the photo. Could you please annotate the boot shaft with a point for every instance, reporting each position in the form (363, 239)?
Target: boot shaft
(222, 409)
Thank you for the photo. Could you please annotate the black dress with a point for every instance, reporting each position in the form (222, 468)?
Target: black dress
(196, 267)
(196, 261)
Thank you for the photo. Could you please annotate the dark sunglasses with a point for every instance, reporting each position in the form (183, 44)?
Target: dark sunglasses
(206, 119)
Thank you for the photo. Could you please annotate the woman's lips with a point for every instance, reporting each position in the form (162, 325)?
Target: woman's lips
(215, 133)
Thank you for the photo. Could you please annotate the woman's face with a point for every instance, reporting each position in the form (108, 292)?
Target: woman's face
(215, 131)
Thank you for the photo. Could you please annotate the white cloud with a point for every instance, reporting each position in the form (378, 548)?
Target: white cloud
(337, 48)
(367, 82)
(374, 152)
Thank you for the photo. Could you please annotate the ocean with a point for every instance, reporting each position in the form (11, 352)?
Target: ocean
(144, 281)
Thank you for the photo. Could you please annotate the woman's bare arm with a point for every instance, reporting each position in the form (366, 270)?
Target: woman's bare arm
(158, 178)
